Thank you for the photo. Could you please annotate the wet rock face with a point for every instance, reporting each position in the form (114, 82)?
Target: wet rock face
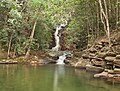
(53, 56)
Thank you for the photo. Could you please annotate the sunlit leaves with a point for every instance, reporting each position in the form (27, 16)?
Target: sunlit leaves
(15, 14)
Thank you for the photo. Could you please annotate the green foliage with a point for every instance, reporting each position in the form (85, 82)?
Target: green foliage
(3, 38)
(11, 22)
(43, 36)
(17, 20)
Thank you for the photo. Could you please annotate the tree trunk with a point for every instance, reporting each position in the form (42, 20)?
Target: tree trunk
(97, 20)
(105, 20)
(109, 9)
(31, 38)
(9, 46)
(101, 15)
(117, 14)
(107, 23)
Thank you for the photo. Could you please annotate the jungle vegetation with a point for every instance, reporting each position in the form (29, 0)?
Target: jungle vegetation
(28, 25)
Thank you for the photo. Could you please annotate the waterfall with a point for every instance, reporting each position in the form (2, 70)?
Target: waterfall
(57, 35)
(61, 59)
(57, 40)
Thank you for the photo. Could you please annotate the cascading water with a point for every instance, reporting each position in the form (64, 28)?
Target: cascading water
(57, 42)
(57, 35)
(61, 59)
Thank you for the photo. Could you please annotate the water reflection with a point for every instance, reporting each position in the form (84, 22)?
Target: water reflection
(98, 84)
(58, 74)
(50, 78)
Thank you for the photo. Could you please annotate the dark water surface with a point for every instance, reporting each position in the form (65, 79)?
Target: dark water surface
(50, 78)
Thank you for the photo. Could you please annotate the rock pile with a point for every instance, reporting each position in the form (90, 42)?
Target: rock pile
(101, 58)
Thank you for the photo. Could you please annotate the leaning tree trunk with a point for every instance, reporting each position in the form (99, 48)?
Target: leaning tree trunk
(31, 38)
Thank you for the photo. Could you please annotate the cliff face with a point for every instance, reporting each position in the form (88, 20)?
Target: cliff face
(101, 58)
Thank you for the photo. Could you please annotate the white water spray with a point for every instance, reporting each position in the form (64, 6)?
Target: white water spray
(57, 40)
(57, 35)
(61, 59)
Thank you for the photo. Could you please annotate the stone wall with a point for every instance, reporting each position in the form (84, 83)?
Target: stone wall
(101, 58)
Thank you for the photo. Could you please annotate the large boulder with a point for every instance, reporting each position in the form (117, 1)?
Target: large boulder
(117, 70)
(105, 49)
(46, 61)
(54, 54)
(98, 46)
(92, 50)
(117, 49)
(111, 54)
(104, 74)
(82, 63)
(116, 62)
(97, 62)
(101, 55)
(85, 56)
(77, 54)
(92, 55)
(110, 58)
(94, 68)
(117, 56)
(104, 41)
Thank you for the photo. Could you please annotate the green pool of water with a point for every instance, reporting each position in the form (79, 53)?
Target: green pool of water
(50, 78)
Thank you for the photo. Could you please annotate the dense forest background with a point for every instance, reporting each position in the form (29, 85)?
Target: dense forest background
(28, 25)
